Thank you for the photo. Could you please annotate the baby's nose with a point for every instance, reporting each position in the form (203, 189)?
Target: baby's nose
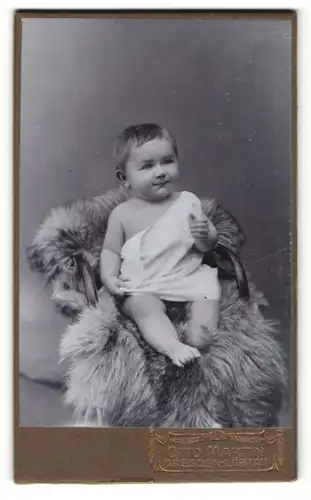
(160, 172)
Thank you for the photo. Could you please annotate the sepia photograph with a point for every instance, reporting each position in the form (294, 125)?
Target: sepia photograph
(155, 182)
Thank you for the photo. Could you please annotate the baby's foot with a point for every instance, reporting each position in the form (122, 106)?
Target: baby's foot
(183, 353)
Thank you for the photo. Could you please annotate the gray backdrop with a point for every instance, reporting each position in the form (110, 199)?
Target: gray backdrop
(222, 87)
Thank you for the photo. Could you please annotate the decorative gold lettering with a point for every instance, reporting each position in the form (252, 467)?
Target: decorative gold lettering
(216, 450)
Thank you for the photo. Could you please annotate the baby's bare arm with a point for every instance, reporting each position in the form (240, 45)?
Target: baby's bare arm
(110, 260)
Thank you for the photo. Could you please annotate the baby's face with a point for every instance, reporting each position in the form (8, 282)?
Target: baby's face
(151, 170)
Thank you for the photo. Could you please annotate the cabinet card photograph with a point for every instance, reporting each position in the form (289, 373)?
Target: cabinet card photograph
(155, 170)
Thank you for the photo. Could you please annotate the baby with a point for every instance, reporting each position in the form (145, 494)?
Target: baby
(154, 246)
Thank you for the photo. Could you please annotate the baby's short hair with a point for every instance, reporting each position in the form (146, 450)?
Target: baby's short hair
(137, 135)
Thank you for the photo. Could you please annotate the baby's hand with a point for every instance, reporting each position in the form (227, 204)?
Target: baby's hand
(203, 232)
(114, 286)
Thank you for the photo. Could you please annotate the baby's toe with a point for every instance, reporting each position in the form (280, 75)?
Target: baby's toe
(196, 352)
(193, 353)
(177, 361)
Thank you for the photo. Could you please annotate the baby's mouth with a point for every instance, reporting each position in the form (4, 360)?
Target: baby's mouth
(162, 183)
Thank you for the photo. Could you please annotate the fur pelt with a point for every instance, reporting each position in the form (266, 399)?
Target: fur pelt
(115, 378)
(71, 235)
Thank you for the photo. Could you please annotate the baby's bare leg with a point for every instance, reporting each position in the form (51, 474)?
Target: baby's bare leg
(149, 314)
(203, 323)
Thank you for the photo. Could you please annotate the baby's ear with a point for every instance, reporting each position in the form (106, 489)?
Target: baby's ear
(121, 176)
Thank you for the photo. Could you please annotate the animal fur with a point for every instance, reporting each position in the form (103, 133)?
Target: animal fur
(115, 378)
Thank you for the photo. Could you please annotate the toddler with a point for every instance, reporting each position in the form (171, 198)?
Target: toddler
(154, 246)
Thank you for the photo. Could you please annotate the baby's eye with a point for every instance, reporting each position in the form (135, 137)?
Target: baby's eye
(146, 166)
(168, 160)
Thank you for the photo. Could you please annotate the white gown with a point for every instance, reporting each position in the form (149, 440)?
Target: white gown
(162, 260)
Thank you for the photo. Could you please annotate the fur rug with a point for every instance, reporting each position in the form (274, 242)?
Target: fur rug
(115, 378)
